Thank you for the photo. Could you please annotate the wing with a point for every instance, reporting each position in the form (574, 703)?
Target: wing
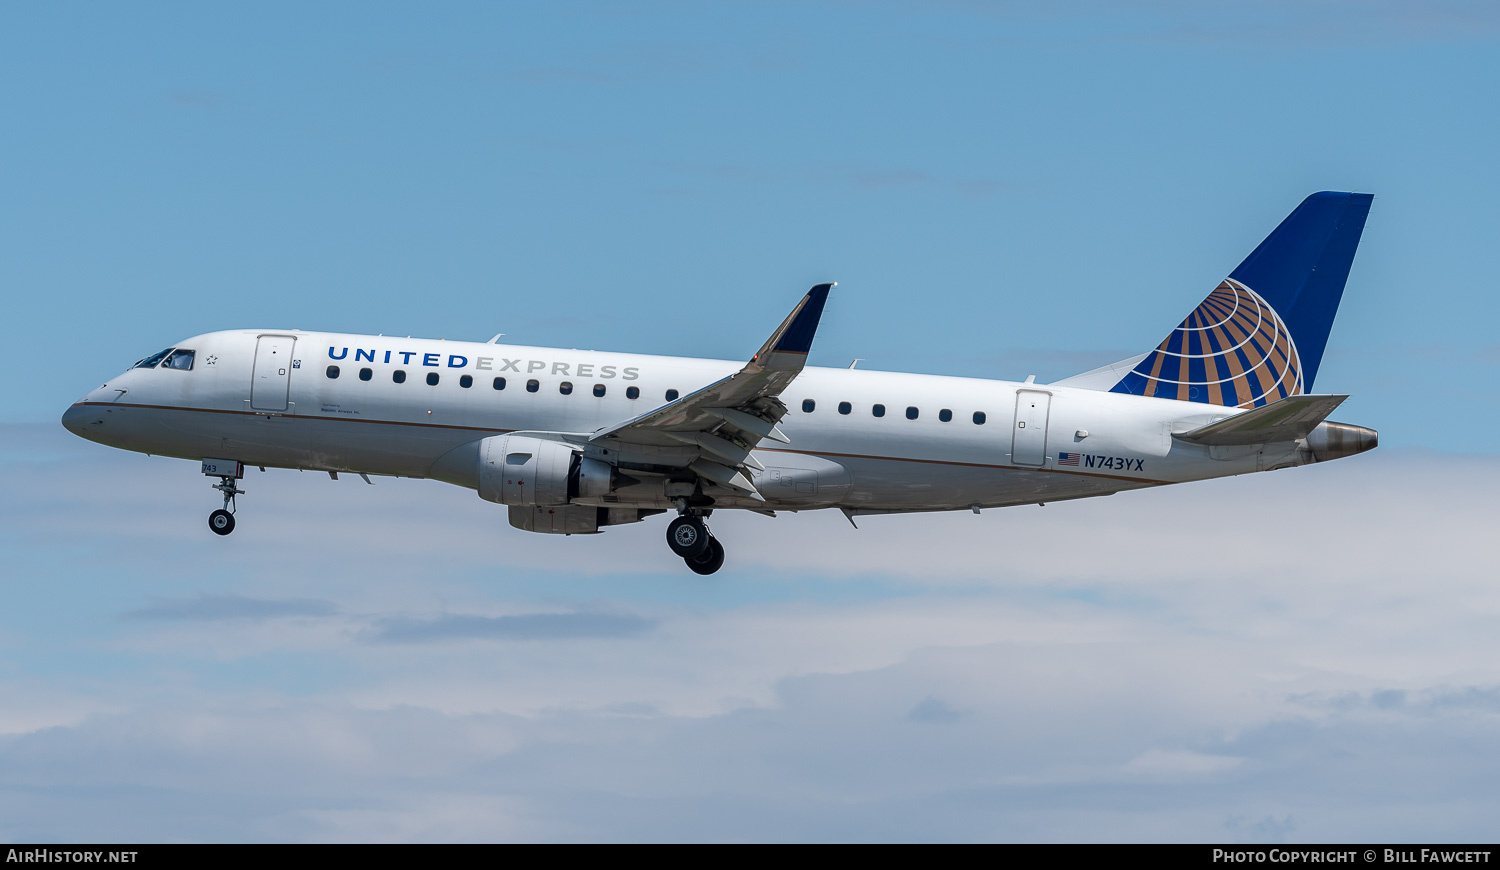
(725, 420)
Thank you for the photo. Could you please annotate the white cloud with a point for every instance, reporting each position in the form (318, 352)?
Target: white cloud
(219, 607)
(1299, 655)
(1175, 764)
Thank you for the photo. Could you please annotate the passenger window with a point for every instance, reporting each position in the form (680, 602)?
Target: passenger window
(432, 379)
(877, 410)
(151, 361)
(599, 390)
(180, 359)
(671, 395)
(945, 415)
(532, 385)
(365, 374)
(466, 381)
(978, 418)
(398, 376)
(333, 371)
(911, 413)
(499, 383)
(566, 388)
(845, 407)
(808, 405)
(632, 392)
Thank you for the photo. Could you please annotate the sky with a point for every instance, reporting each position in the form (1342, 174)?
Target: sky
(1000, 189)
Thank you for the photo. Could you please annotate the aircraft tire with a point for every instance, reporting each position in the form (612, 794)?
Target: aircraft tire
(688, 537)
(710, 561)
(221, 522)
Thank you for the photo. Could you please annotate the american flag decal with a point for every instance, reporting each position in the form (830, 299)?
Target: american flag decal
(1068, 459)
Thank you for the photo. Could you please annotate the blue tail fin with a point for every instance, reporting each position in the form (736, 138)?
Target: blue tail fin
(1260, 335)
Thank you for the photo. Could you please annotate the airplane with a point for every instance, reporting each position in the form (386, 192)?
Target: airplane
(573, 442)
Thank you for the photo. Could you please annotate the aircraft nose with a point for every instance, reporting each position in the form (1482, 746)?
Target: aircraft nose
(77, 419)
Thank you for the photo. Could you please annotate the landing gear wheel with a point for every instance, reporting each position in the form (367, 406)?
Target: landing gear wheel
(711, 560)
(221, 522)
(688, 537)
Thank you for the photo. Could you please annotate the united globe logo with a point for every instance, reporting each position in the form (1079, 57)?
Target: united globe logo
(1233, 350)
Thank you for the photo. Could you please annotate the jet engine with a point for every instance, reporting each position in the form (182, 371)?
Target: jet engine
(525, 471)
(541, 479)
(573, 519)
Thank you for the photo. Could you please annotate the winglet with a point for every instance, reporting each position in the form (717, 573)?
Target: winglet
(788, 346)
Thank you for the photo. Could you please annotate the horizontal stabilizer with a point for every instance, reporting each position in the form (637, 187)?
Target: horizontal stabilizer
(1285, 420)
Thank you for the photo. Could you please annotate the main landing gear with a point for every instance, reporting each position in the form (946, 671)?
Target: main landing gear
(690, 538)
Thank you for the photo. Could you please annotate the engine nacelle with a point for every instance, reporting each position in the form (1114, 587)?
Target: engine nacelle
(572, 519)
(527, 471)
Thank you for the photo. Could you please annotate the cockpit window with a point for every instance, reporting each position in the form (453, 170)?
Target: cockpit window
(151, 361)
(181, 358)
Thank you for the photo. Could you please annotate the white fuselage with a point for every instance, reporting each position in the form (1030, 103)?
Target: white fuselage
(265, 397)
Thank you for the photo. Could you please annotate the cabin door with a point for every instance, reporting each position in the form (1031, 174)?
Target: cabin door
(1029, 445)
(272, 378)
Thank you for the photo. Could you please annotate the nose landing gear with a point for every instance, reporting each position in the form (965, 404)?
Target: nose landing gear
(690, 538)
(221, 522)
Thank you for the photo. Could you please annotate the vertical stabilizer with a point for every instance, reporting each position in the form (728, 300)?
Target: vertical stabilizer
(1260, 335)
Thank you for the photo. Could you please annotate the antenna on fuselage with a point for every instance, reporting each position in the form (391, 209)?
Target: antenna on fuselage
(496, 338)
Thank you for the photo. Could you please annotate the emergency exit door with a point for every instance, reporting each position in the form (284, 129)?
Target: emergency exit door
(1029, 444)
(272, 377)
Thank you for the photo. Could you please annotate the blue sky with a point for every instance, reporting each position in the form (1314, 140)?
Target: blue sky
(1000, 189)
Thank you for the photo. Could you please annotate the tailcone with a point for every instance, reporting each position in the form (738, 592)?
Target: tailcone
(1336, 440)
